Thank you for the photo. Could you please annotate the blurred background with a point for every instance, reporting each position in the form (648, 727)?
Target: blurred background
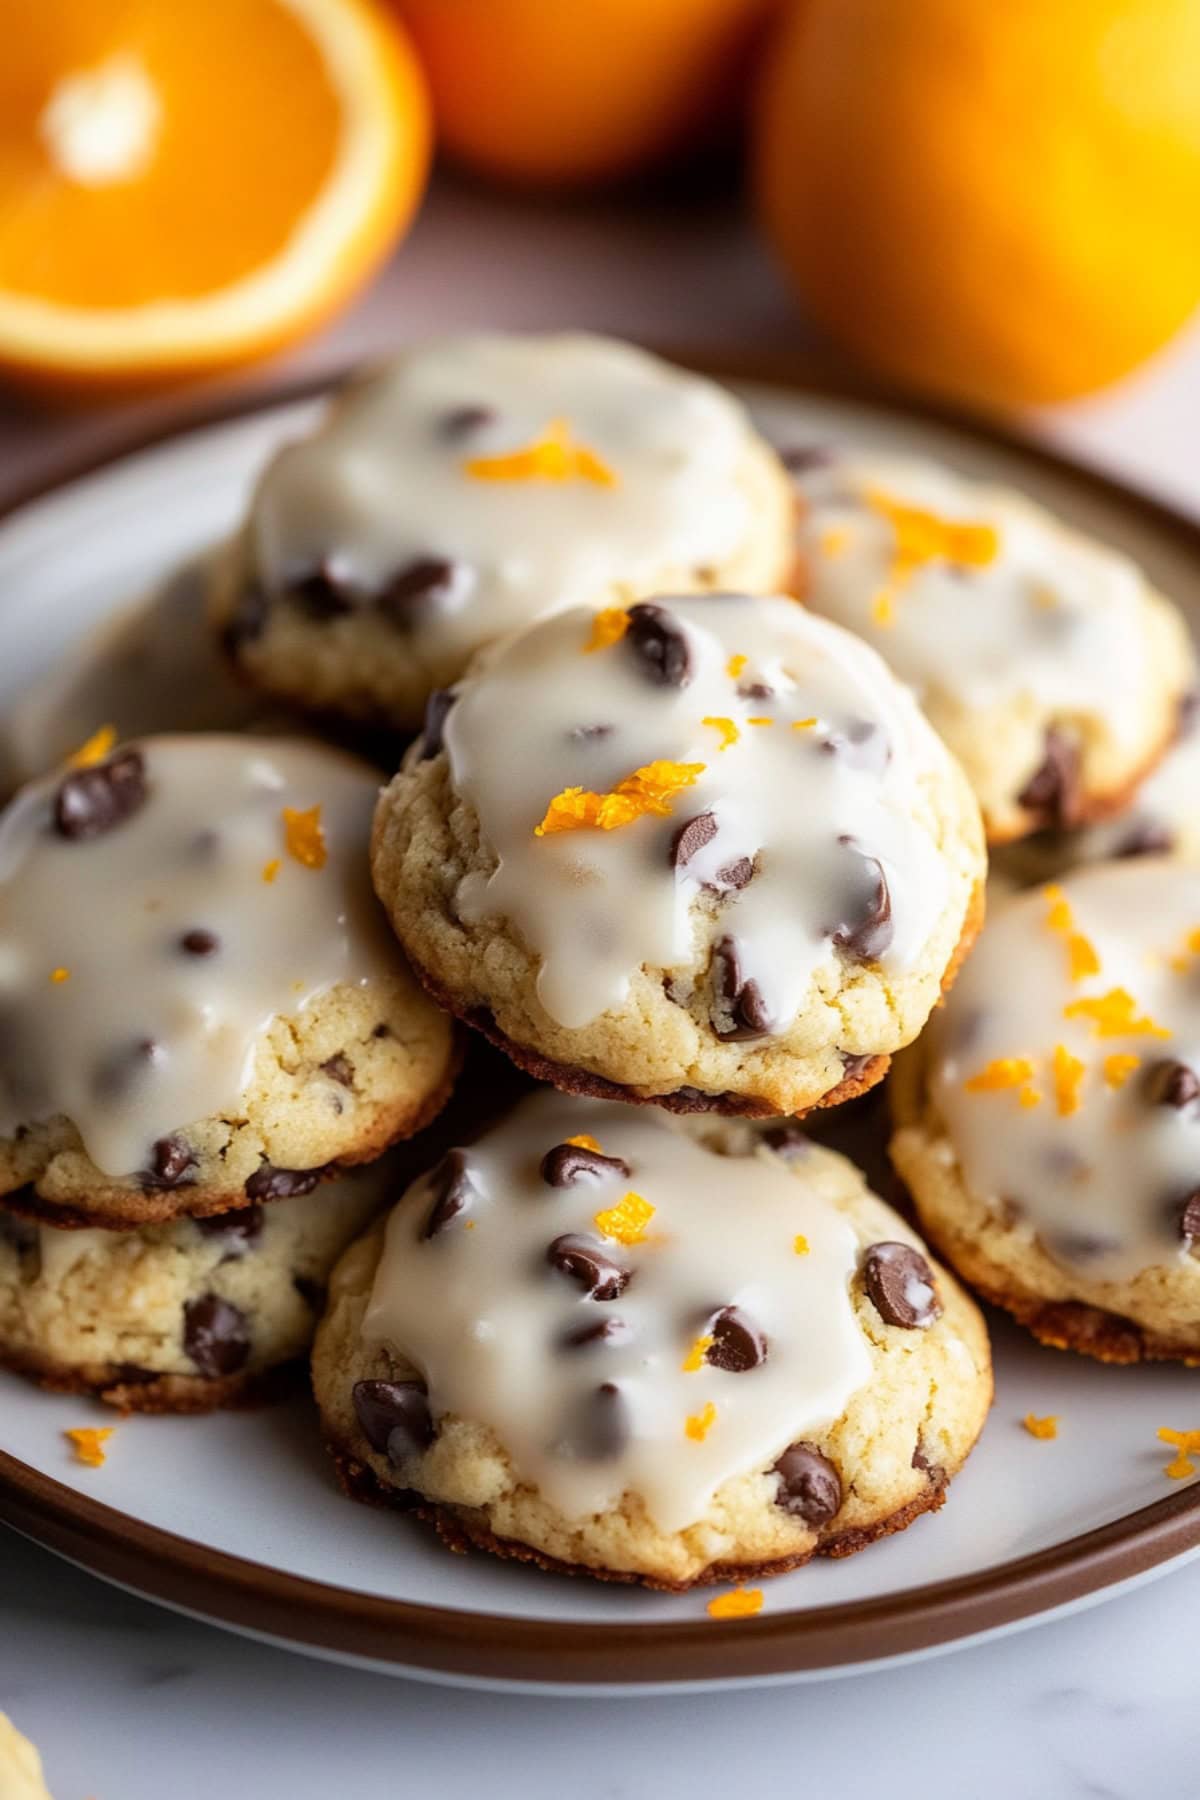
(993, 206)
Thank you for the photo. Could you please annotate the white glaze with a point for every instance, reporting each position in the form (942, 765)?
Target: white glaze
(111, 910)
(596, 905)
(1100, 1186)
(382, 483)
(1053, 616)
(480, 1313)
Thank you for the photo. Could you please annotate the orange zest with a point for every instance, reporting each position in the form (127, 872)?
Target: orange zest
(94, 749)
(833, 541)
(584, 1141)
(800, 1244)
(58, 976)
(735, 665)
(1080, 950)
(650, 789)
(552, 456)
(760, 721)
(695, 1357)
(304, 836)
(1119, 1065)
(698, 1425)
(739, 1603)
(271, 870)
(1187, 1445)
(1003, 1073)
(923, 537)
(804, 724)
(627, 1220)
(88, 1442)
(1041, 1428)
(728, 730)
(1069, 1072)
(608, 627)
(1114, 1014)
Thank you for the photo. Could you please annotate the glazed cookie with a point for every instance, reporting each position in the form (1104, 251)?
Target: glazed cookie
(471, 486)
(21, 1775)
(705, 852)
(200, 1004)
(1049, 1122)
(1052, 669)
(593, 1343)
(179, 1317)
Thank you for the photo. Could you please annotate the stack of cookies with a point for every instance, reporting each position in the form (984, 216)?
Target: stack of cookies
(696, 862)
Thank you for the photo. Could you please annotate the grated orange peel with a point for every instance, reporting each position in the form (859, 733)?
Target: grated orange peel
(553, 455)
(1044, 1428)
(94, 749)
(698, 1425)
(694, 1360)
(739, 1603)
(1069, 1071)
(88, 1443)
(627, 1220)
(608, 627)
(649, 790)
(304, 836)
(1114, 1014)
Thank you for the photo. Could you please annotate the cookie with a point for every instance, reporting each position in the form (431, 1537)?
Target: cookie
(179, 1317)
(703, 852)
(473, 485)
(1048, 1125)
(594, 1343)
(201, 1006)
(21, 1775)
(1046, 661)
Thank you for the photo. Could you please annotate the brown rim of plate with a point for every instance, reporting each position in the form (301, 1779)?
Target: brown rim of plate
(313, 1615)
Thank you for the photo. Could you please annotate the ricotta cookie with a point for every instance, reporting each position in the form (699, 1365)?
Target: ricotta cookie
(20, 1765)
(593, 1343)
(702, 852)
(200, 1004)
(471, 486)
(179, 1317)
(1049, 1122)
(1052, 669)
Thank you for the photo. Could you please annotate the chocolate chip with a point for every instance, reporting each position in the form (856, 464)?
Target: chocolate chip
(900, 1283)
(452, 1190)
(172, 1158)
(247, 621)
(587, 734)
(921, 1459)
(854, 1067)
(787, 1140)
(311, 1292)
(732, 876)
(216, 1336)
(860, 744)
(591, 1268)
(1171, 1083)
(1146, 839)
(603, 1427)
(199, 942)
(568, 1163)
(238, 1230)
(659, 644)
(394, 1416)
(92, 801)
(19, 1234)
(270, 1183)
(810, 1488)
(756, 690)
(738, 1343)
(436, 708)
(739, 1012)
(608, 1330)
(322, 594)
(134, 1375)
(691, 837)
(420, 583)
(461, 421)
(865, 929)
(338, 1069)
(801, 459)
(1053, 792)
(1189, 1218)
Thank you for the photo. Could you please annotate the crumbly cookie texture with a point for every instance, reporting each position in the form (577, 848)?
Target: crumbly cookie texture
(1047, 1125)
(471, 486)
(179, 1317)
(20, 1765)
(1046, 661)
(601, 1341)
(200, 1004)
(703, 852)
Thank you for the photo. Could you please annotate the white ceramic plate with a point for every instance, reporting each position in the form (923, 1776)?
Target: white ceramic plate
(236, 1517)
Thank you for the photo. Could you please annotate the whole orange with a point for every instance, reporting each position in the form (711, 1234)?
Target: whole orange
(560, 92)
(998, 202)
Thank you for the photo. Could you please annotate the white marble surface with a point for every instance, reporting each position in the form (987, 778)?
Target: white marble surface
(131, 1703)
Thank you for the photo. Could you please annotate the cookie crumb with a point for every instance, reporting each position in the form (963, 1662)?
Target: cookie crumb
(88, 1443)
(739, 1603)
(1041, 1428)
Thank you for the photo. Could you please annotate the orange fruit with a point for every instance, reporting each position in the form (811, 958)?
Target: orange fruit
(186, 187)
(997, 203)
(560, 92)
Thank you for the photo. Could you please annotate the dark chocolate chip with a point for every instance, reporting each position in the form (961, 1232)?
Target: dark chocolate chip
(921, 1459)
(739, 1012)
(800, 459)
(216, 1336)
(1146, 839)
(900, 1283)
(461, 421)
(860, 744)
(691, 837)
(270, 1183)
(756, 690)
(568, 1163)
(603, 1427)
(587, 734)
(133, 1375)
(787, 1140)
(1189, 1218)
(1171, 1083)
(738, 1343)
(321, 594)
(608, 1330)
(92, 801)
(382, 1031)
(733, 875)
(338, 1069)
(418, 584)
(659, 644)
(810, 1488)
(436, 708)
(452, 1192)
(1053, 793)
(394, 1416)
(582, 1261)
(247, 621)
(855, 1067)
(172, 1161)
(199, 942)
(238, 1230)
(865, 929)
(311, 1292)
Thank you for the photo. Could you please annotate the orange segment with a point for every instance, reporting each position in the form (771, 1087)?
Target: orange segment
(182, 188)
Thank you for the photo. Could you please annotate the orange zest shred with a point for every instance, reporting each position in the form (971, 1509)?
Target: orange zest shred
(735, 665)
(833, 541)
(58, 976)
(695, 1357)
(883, 607)
(698, 1425)
(923, 537)
(1003, 1073)
(1069, 1072)
(552, 456)
(800, 1244)
(739, 1603)
(760, 721)
(804, 724)
(728, 730)
(88, 1443)
(304, 836)
(650, 789)
(94, 749)
(271, 870)
(584, 1141)
(608, 627)
(1041, 1428)
(1119, 1066)
(627, 1220)
(1191, 948)
(1114, 1014)
(1187, 1445)
(1080, 950)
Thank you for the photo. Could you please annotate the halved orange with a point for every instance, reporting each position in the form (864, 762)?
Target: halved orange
(186, 187)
